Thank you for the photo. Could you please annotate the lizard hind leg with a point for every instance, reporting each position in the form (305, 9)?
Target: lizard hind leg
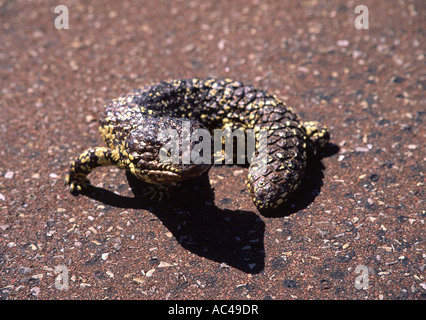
(318, 134)
(85, 163)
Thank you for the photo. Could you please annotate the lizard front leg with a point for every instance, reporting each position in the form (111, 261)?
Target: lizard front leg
(86, 162)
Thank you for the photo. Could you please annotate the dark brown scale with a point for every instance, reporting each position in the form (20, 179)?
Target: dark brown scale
(216, 104)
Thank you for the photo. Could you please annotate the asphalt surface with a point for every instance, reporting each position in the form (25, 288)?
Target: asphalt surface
(356, 228)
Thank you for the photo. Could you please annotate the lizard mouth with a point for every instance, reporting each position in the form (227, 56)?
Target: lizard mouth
(165, 173)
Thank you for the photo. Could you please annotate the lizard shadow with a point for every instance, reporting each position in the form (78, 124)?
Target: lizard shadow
(232, 237)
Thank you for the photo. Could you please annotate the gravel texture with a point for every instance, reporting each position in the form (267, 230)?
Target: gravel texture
(361, 209)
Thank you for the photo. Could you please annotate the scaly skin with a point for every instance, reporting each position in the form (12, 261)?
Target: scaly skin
(130, 127)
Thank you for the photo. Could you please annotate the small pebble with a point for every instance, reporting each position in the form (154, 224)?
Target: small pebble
(50, 233)
(149, 273)
(237, 172)
(398, 79)
(361, 149)
(90, 118)
(139, 280)
(35, 291)
(374, 177)
(342, 43)
(9, 175)
(221, 44)
(164, 264)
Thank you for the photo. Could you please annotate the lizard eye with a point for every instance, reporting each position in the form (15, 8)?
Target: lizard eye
(147, 156)
(135, 145)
